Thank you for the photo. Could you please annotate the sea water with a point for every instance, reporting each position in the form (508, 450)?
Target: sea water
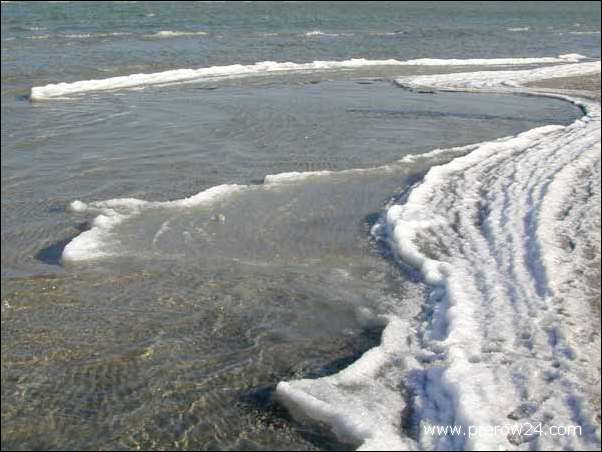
(171, 252)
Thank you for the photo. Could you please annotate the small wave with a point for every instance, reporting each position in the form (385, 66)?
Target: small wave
(318, 33)
(321, 33)
(270, 34)
(518, 29)
(96, 35)
(77, 35)
(584, 32)
(387, 33)
(175, 34)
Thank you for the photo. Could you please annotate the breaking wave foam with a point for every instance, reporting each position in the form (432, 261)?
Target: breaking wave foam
(266, 67)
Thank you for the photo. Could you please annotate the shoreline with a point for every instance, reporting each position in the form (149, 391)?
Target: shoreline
(585, 85)
(316, 399)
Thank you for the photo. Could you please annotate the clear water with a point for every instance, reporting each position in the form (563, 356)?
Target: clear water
(178, 340)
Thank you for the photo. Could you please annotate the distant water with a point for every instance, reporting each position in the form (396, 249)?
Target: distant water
(175, 334)
(68, 41)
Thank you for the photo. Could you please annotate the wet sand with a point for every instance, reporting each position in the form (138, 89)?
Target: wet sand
(588, 85)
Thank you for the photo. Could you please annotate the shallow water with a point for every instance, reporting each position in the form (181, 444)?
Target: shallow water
(177, 338)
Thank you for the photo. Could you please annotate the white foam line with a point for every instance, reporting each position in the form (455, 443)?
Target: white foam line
(584, 32)
(321, 33)
(176, 34)
(187, 75)
(96, 35)
(301, 176)
(99, 241)
(512, 231)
